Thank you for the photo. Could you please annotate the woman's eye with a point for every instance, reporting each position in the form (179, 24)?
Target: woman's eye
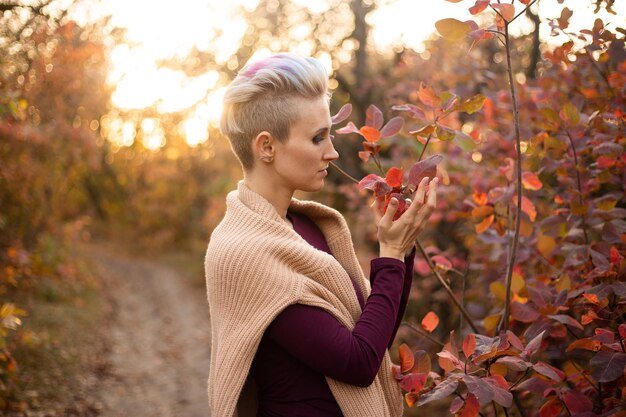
(317, 139)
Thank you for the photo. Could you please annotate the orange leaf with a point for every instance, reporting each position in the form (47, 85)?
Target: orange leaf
(452, 29)
(469, 345)
(479, 6)
(411, 398)
(479, 198)
(471, 407)
(482, 211)
(394, 177)
(586, 344)
(430, 322)
(406, 358)
(530, 181)
(484, 225)
(506, 10)
(370, 134)
(527, 207)
(588, 317)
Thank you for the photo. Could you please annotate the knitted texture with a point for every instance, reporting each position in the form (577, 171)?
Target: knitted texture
(256, 265)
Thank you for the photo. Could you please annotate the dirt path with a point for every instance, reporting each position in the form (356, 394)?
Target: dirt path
(159, 340)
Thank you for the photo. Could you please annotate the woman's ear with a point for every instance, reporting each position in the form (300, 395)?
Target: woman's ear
(263, 147)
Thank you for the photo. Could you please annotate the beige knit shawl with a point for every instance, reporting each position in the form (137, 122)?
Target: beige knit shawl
(256, 265)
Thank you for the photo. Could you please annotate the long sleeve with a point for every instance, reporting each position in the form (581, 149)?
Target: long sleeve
(316, 338)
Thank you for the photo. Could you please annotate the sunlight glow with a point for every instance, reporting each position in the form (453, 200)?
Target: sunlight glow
(196, 131)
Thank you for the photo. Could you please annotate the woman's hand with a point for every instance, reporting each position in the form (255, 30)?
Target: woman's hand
(396, 238)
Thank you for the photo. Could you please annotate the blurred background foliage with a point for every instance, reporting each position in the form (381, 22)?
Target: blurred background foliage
(76, 167)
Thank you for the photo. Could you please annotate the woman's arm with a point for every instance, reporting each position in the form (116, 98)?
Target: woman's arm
(317, 339)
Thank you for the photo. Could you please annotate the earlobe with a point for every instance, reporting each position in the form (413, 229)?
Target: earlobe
(264, 146)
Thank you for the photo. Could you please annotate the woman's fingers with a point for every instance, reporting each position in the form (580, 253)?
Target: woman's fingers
(387, 218)
(421, 191)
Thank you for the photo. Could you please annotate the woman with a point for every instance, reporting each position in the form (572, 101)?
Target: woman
(297, 330)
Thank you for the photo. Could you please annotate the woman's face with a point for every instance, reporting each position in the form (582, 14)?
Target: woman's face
(301, 162)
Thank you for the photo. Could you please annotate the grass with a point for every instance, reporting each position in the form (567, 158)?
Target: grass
(61, 353)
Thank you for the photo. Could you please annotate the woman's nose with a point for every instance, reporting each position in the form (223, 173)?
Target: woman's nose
(332, 153)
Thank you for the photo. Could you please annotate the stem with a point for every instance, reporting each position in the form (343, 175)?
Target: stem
(423, 333)
(380, 168)
(585, 376)
(344, 173)
(430, 135)
(578, 184)
(517, 404)
(495, 410)
(523, 11)
(447, 287)
(505, 317)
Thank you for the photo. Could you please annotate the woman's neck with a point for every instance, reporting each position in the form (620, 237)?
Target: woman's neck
(279, 197)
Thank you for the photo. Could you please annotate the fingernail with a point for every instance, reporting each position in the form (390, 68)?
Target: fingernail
(393, 200)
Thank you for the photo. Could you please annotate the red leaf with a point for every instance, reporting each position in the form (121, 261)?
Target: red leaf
(576, 402)
(523, 312)
(364, 156)
(480, 388)
(608, 366)
(479, 6)
(514, 340)
(430, 321)
(552, 408)
(614, 256)
(622, 330)
(349, 128)
(407, 360)
(375, 183)
(530, 181)
(370, 134)
(412, 109)
(515, 363)
(549, 371)
(392, 127)
(413, 382)
(342, 114)
(445, 388)
(500, 388)
(533, 346)
(373, 117)
(423, 168)
(427, 95)
(394, 177)
(442, 262)
(471, 407)
(565, 319)
(506, 10)
(469, 344)
(422, 362)
(451, 359)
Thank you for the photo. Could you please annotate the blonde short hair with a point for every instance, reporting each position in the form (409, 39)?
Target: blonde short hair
(261, 96)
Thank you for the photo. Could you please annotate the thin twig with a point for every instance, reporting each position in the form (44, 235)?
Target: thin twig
(578, 184)
(430, 135)
(344, 173)
(423, 333)
(504, 324)
(447, 287)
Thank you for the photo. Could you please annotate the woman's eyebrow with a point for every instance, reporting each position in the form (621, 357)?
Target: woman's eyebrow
(322, 130)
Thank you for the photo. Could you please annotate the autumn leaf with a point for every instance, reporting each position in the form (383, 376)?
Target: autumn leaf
(375, 183)
(484, 225)
(452, 29)
(507, 11)
(530, 181)
(608, 366)
(427, 95)
(424, 168)
(550, 371)
(373, 117)
(406, 358)
(430, 321)
(586, 344)
(473, 104)
(445, 388)
(479, 6)
(469, 345)
(471, 406)
(394, 177)
(349, 128)
(392, 127)
(370, 134)
(413, 382)
(342, 114)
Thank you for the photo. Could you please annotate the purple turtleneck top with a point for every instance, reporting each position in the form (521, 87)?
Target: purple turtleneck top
(304, 344)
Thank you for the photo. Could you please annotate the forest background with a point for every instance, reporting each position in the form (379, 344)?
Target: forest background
(535, 294)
